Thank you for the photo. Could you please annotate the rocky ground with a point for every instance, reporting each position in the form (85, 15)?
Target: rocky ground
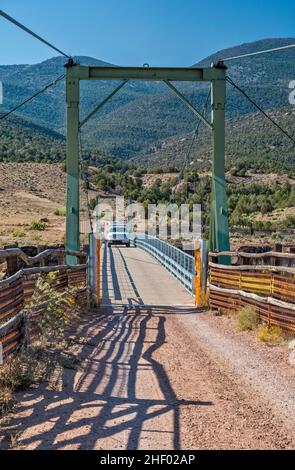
(33, 192)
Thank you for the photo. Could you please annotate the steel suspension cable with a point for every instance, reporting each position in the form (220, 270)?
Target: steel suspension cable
(27, 30)
(45, 88)
(194, 140)
(233, 84)
(85, 181)
(196, 132)
(266, 51)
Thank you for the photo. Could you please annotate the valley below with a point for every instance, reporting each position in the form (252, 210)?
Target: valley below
(33, 199)
(146, 145)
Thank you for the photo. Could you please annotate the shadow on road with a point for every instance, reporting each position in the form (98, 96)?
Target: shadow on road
(120, 393)
(109, 278)
(118, 285)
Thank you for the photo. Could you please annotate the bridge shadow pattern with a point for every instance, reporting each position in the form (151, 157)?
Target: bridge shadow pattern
(117, 399)
(121, 395)
(117, 283)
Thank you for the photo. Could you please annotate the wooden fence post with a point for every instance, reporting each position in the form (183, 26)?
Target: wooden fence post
(11, 262)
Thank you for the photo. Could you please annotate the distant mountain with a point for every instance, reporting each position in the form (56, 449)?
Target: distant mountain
(251, 141)
(144, 114)
(22, 81)
(21, 140)
(265, 77)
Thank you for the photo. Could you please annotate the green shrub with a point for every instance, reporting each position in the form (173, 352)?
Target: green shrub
(18, 233)
(247, 319)
(60, 308)
(60, 212)
(38, 225)
(288, 222)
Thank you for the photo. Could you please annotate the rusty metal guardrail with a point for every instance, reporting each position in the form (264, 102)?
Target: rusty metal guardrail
(269, 289)
(268, 258)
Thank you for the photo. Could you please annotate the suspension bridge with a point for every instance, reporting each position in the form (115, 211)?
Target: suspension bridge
(152, 376)
(134, 277)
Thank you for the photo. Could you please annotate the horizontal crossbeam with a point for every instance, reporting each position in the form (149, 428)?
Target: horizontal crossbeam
(147, 73)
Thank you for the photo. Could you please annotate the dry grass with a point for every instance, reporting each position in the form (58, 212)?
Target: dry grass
(48, 352)
(33, 366)
(26, 369)
(37, 364)
(6, 401)
(69, 361)
(18, 233)
(247, 319)
(271, 335)
(61, 212)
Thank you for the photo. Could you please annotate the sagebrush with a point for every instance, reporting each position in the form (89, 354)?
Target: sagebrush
(247, 319)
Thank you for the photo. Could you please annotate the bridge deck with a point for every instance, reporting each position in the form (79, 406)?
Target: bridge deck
(132, 276)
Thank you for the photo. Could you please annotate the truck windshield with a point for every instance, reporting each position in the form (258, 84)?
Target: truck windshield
(118, 229)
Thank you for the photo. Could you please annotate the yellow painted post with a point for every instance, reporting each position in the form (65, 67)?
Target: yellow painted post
(98, 245)
(198, 287)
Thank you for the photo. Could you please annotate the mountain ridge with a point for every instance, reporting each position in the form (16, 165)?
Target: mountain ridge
(144, 114)
(245, 48)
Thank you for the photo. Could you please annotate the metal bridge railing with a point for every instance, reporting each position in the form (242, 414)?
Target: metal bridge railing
(179, 264)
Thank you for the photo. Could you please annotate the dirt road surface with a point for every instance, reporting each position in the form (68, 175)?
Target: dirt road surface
(156, 377)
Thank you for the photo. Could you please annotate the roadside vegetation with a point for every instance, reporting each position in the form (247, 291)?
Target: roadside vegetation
(271, 335)
(49, 346)
(252, 205)
(247, 319)
(266, 205)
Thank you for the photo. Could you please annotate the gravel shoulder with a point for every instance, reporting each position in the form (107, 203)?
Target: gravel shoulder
(257, 379)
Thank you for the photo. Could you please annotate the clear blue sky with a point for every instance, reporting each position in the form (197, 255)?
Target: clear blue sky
(131, 32)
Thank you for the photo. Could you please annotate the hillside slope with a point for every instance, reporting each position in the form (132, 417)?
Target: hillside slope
(143, 114)
(251, 140)
(22, 140)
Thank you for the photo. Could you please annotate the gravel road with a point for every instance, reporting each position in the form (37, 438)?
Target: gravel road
(161, 378)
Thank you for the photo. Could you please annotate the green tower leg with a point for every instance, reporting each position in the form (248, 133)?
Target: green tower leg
(219, 228)
(72, 219)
